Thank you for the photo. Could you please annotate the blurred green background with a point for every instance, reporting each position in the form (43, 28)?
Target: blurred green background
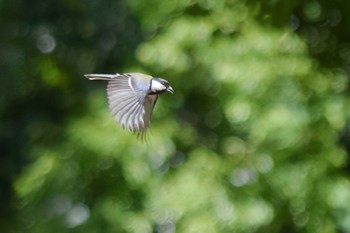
(255, 138)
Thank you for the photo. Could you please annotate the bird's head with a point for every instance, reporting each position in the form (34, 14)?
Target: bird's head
(159, 85)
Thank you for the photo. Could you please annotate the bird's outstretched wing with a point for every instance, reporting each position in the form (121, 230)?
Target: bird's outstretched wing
(131, 106)
(148, 106)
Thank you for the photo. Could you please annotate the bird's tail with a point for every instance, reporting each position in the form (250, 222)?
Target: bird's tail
(101, 76)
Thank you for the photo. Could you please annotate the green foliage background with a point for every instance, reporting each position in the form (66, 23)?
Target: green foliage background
(254, 139)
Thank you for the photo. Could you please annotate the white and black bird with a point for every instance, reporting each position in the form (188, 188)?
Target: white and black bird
(132, 98)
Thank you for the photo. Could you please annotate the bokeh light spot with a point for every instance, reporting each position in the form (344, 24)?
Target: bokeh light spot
(46, 43)
(77, 215)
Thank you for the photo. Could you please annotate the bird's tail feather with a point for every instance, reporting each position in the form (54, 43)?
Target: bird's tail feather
(101, 76)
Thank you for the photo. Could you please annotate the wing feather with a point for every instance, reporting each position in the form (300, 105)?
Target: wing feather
(149, 106)
(131, 108)
(137, 117)
(126, 118)
(133, 114)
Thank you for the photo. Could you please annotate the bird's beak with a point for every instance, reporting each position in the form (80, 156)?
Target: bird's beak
(170, 89)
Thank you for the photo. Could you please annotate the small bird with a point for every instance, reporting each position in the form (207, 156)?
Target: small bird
(132, 97)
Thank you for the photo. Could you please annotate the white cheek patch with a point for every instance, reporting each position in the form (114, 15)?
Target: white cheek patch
(157, 86)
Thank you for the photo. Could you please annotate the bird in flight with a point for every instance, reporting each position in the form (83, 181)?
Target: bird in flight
(132, 97)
